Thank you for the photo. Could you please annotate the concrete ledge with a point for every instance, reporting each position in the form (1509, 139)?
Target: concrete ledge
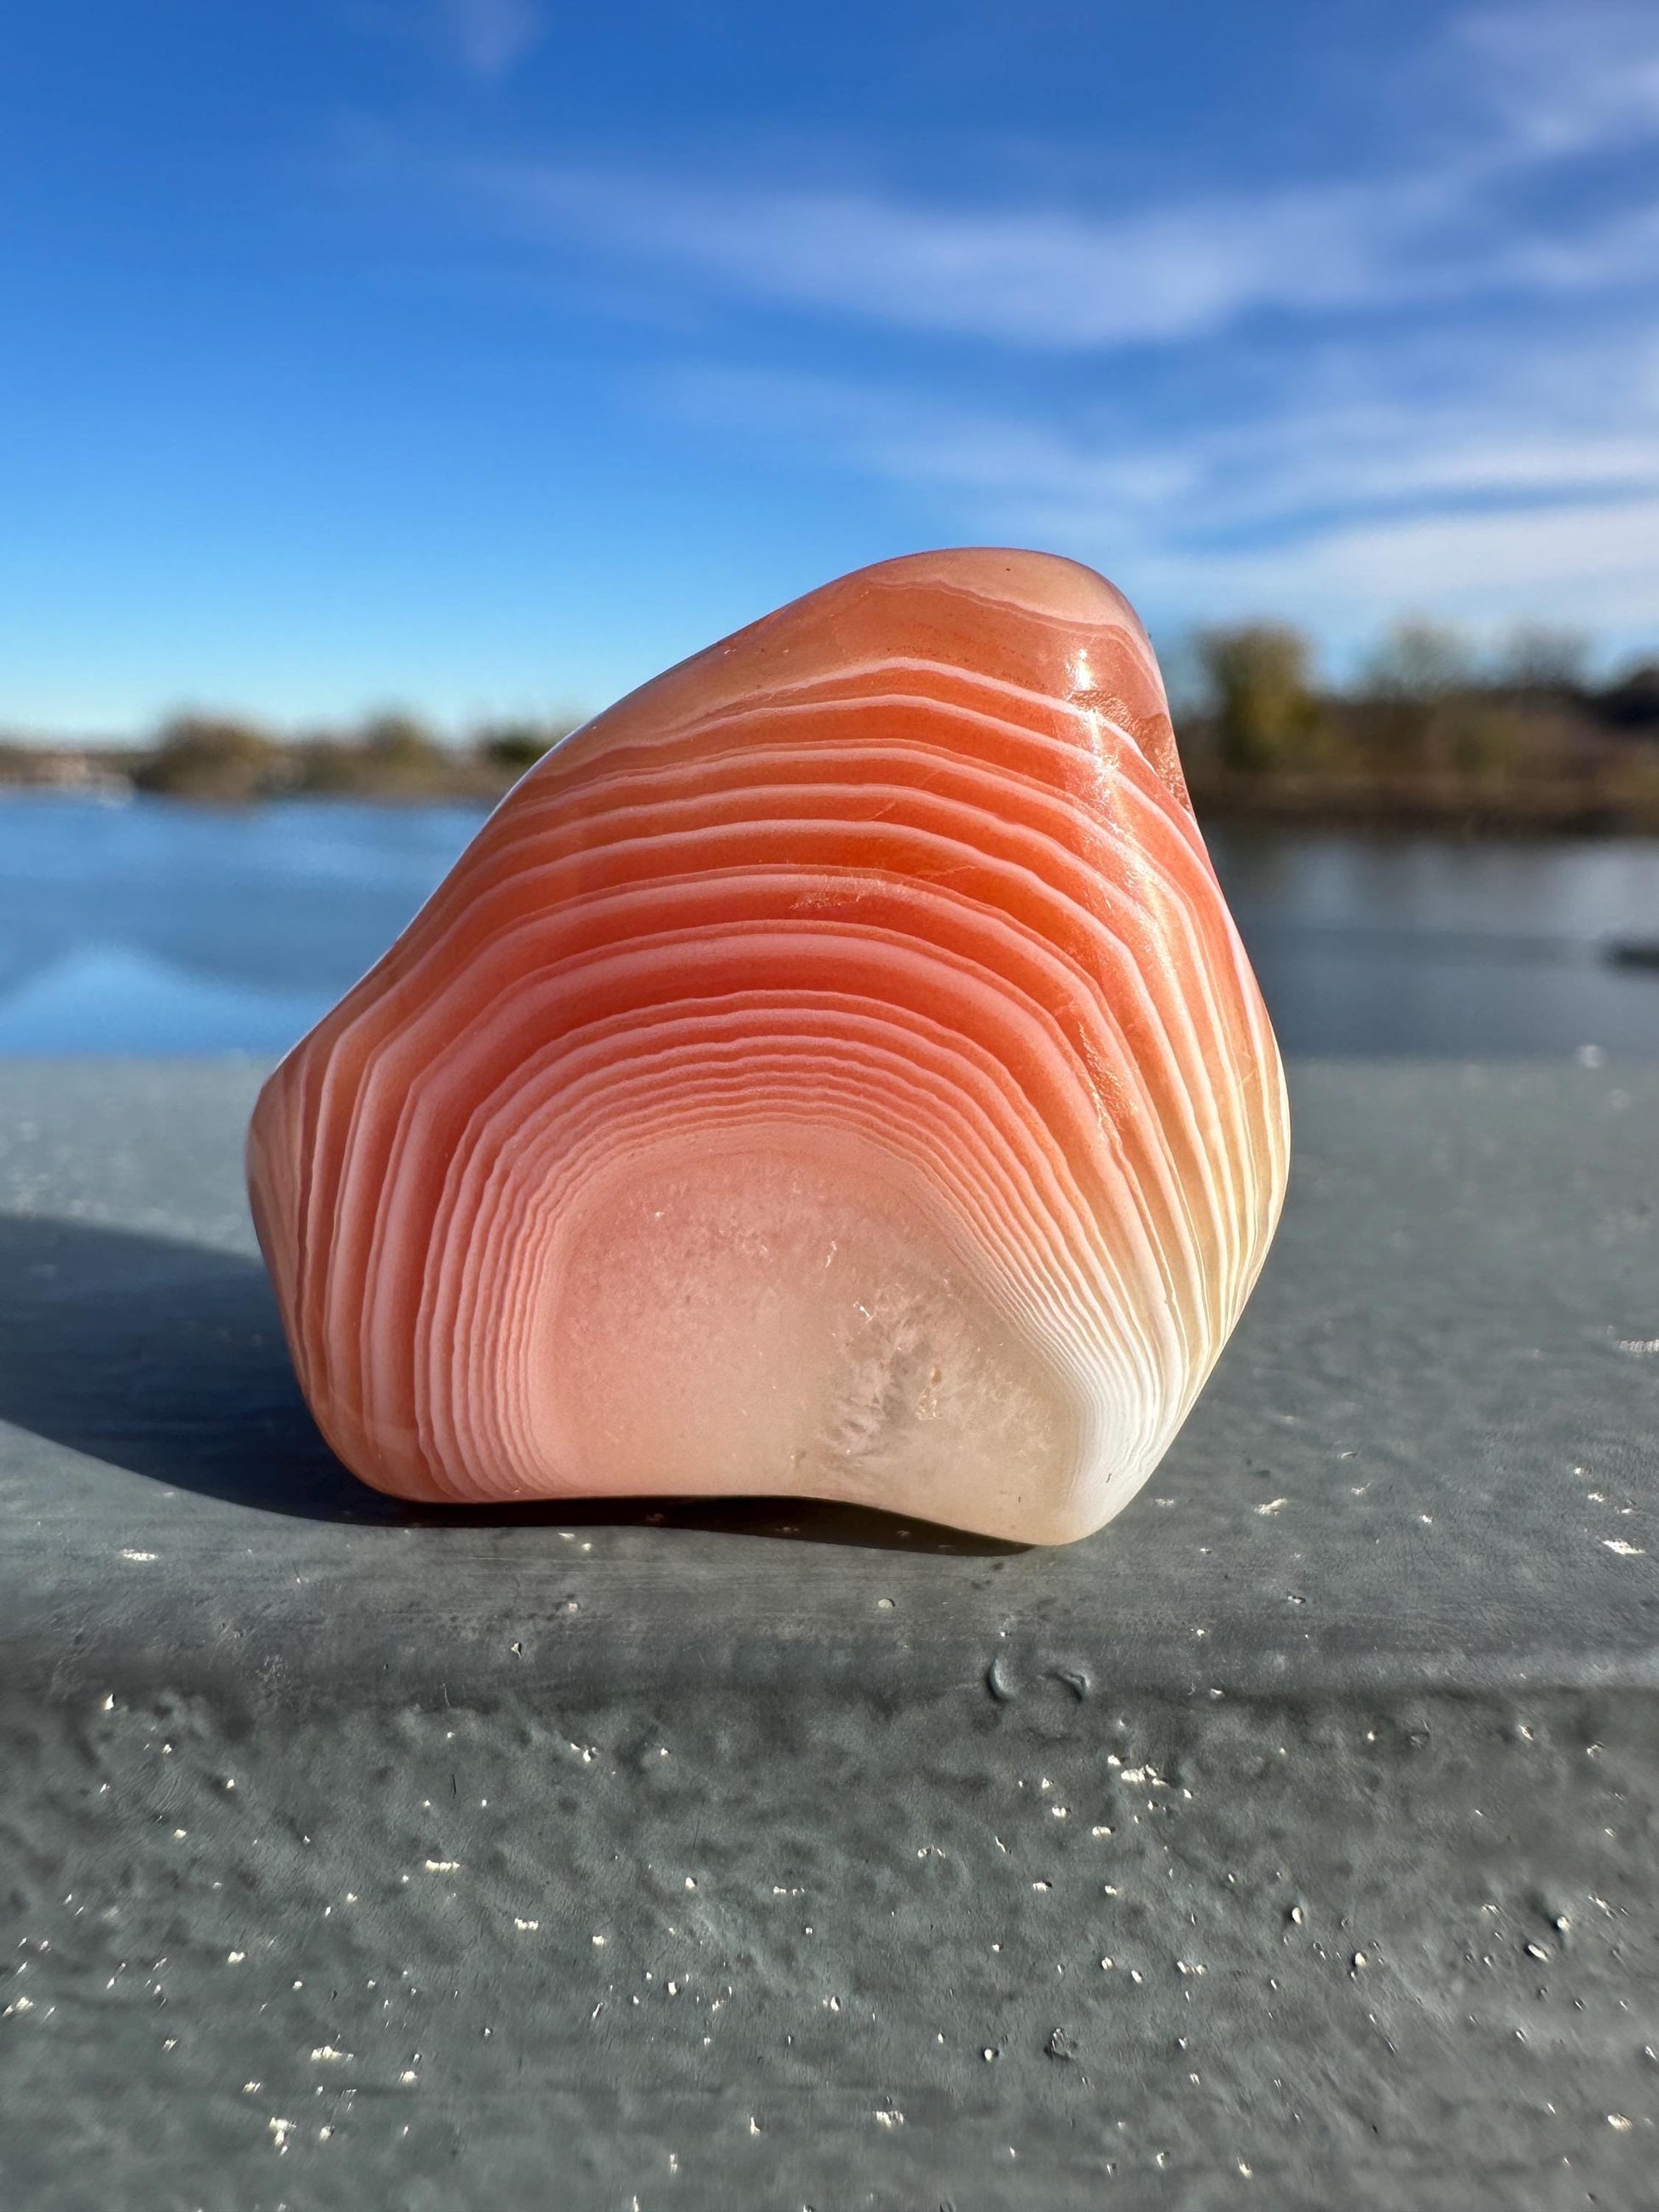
(1361, 1689)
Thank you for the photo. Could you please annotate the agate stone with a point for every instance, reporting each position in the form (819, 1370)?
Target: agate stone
(832, 1071)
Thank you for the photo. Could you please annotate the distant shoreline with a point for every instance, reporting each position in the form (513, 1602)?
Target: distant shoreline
(1447, 805)
(222, 760)
(1444, 805)
(1428, 744)
(1430, 738)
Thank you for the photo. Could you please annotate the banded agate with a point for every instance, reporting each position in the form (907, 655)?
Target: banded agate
(833, 1070)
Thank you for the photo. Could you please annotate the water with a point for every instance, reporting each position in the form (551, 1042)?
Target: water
(1462, 950)
(157, 927)
(152, 927)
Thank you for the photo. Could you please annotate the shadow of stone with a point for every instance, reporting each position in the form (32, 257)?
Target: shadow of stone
(169, 1360)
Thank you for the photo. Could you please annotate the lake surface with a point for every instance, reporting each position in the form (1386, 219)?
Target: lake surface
(157, 927)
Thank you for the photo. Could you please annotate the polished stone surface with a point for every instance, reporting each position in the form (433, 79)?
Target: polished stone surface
(833, 1071)
(302, 1783)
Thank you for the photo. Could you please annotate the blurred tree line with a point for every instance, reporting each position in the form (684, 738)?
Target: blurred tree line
(1427, 730)
(229, 759)
(1427, 727)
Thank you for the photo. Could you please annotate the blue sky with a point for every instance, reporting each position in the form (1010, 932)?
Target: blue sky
(488, 355)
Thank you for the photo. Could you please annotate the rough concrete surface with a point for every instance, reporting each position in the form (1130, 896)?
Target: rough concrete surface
(748, 1855)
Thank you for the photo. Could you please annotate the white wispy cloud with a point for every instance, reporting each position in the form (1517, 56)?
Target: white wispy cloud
(1038, 277)
(1595, 563)
(1562, 78)
(1522, 89)
(1534, 489)
(491, 35)
(1513, 232)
